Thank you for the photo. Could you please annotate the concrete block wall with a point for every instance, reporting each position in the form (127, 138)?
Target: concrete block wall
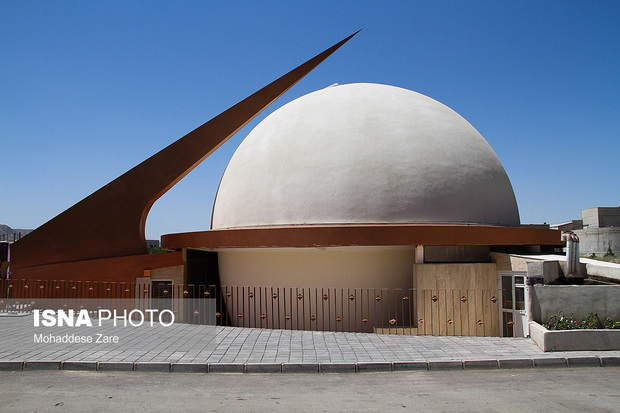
(579, 300)
(549, 271)
(598, 241)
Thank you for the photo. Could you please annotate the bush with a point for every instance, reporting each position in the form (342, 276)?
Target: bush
(609, 253)
(608, 322)
(569, 322)
(591, 321)
(562, 322)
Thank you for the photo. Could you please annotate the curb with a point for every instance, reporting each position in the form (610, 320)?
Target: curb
(300, 367)
(410, 366)
(226, 368)
(152, 366)
(584, 362)
(42, 365)
(115, 366)
(516, 364)
(79, 365)
(550, 362)
(338, 367)
(445, 365)
(369, 367)
(189, 367)
(374, 366)
(11, 365)
(610, 361)
(262, 368)
(481, 364)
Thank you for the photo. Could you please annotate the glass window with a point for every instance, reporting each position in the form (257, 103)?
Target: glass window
(507, 291)
(508, 324)
(519, 298)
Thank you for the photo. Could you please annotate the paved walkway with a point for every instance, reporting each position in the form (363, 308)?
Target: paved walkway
(198, 348)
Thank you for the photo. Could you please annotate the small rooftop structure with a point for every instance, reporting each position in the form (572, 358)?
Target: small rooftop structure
(601, 217)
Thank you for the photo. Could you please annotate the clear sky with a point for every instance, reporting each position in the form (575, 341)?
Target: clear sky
(90, 89)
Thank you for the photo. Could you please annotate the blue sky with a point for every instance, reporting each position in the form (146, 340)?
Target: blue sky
(90, 89)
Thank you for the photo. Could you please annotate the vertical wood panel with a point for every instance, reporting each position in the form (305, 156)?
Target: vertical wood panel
(450, 282)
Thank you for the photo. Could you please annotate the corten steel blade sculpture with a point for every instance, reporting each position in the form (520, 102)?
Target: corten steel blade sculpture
(111, 221)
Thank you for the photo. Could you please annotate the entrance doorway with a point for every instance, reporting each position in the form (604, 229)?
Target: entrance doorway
(513, 317)
(201, 268)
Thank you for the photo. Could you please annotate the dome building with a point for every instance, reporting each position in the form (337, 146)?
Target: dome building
(363, 187)
(349, 155)
(364, 154)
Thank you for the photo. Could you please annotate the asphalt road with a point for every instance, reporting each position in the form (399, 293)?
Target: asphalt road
(594, 389)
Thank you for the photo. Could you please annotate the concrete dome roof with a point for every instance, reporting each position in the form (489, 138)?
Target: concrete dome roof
(364, 154)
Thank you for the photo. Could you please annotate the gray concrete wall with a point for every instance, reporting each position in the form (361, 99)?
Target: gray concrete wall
(598, 240)
(579, 300)
(574, 340)
(590, 217)
(549, 271)
(603, 269)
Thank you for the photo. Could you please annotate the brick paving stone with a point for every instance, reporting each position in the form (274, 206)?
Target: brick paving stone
(231, 346)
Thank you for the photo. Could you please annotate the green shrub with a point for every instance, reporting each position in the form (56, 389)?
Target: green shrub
(609, 253)
(591, 321)
(569, 322)
(608, 322)
(562, 322)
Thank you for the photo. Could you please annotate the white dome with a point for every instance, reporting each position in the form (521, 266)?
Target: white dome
(364, 154)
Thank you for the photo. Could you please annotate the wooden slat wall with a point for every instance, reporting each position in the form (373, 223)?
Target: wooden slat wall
(457, 299)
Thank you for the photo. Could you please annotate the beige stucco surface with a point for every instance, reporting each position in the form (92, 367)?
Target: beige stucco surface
(508, 262)
(314, 267)
(334, 273)
(174, 274)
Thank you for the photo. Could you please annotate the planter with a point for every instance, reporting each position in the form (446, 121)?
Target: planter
(570, 340)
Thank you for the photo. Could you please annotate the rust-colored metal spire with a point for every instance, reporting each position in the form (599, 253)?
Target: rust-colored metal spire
(111, 221)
